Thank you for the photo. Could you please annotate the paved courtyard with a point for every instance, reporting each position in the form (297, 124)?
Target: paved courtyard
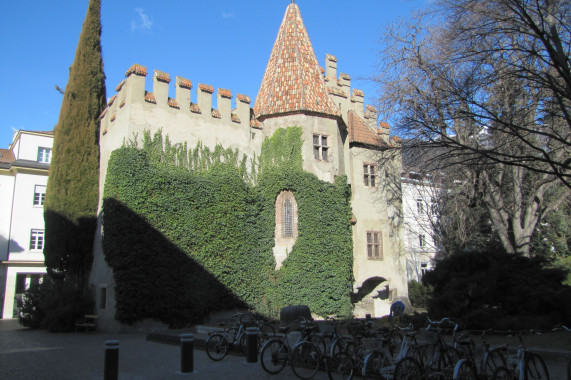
(37, 354)
(33, 354)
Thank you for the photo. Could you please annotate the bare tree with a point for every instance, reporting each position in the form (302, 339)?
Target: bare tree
(454, 71)
(487, 85)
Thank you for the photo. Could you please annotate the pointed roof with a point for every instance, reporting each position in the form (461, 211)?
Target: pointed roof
(359, 132)
(293, 80)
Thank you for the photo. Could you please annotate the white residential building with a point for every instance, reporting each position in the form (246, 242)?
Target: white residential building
(420, 215)
(24, 169)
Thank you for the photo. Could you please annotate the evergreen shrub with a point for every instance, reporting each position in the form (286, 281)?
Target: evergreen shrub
(493, 289)
(419, 294)
(54, 305)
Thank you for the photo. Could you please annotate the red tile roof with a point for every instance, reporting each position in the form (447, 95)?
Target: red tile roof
(150, 97)
(206, 88)
(184, 83)
(162, 76)
(194, 108)
(359, 132)
(173, 103)
(225, 93)
(6, 156)
(293, 81)
(136, 69)
(243, 98)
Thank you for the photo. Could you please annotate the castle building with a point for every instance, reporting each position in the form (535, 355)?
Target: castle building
(340, 137)
(24, 169)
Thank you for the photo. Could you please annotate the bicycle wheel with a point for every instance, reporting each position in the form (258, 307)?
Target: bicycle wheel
(502, 373)
(274, 356)
(341, 344)
(465, 370)
(305, 359)
(340, 367)
(492, 360)
(408, 369)
(534, 367)
(216, 347)
(448, 359)
(373, 363)
(416, 353)
(324, 344)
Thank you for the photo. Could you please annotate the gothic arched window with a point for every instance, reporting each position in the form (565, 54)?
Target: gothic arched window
(288, 218)
(286, 226)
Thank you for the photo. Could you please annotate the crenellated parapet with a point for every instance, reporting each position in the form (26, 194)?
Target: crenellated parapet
(339, 87)
(132, 97)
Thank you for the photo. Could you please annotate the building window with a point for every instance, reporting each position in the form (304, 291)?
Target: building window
(320, 148)
(374, 245)
(370, 175)
(288, 218)
(419, 206)
(433, 207)
(422, 241)
(44, 155)
(39, 195)
(423, 268)
(37, 240)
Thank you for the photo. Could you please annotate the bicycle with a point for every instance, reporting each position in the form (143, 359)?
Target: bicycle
(380, 362)
(350, 355)
(218, 344)
(492, 359)
(304, 355)
(524, 365)
(434, 360)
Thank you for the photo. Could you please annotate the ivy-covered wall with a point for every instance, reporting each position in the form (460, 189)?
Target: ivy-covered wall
(190, 231)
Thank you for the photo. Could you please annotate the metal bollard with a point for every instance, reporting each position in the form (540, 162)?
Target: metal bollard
(111, 367)
(186, 353)
(251, 345)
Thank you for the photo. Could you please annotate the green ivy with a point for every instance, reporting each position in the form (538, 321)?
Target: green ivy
(188, 232)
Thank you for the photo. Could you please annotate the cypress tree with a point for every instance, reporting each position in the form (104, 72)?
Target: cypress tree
(72, 195)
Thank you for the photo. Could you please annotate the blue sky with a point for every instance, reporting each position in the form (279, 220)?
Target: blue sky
(223, 43)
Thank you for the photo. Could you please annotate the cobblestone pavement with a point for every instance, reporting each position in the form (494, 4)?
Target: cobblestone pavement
(37, 354)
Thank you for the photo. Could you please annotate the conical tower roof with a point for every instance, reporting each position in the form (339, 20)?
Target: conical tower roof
(293, 81)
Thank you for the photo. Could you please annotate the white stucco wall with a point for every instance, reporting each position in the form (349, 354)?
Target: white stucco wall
(19, 214)
(418, 222)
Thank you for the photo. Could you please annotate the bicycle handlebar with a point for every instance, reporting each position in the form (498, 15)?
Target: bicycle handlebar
(441, 322)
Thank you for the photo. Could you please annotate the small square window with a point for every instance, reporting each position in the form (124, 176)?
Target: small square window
(320, 147)
(39, 195)
(44, 155)
(370, 175)
(374, 245)
(422, 241)
(37, 240)
(419, 206)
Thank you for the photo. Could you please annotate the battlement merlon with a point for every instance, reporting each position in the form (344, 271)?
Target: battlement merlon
(339, 89)
(132, 89)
